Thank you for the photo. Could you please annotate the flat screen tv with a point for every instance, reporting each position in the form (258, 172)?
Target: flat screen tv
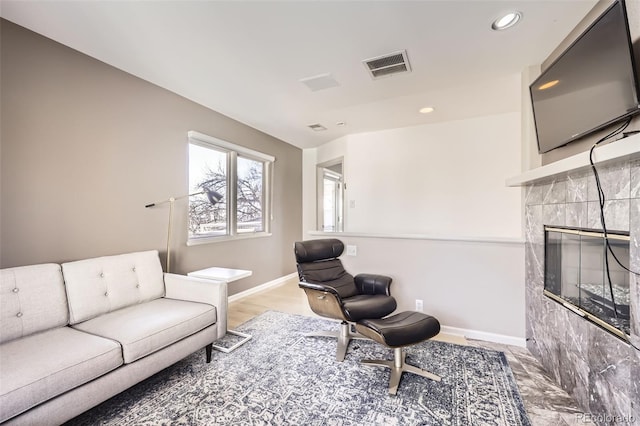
(593, 84)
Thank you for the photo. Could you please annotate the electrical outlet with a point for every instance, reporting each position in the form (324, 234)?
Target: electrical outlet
(419, 305)
(352, 250)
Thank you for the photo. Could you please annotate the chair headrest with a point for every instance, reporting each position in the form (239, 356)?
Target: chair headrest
(315, 250)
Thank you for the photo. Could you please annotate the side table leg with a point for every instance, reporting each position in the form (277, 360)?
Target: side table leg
(246, 337)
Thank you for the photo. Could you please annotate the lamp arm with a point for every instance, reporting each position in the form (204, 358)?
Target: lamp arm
(172, 199)
(213, 197)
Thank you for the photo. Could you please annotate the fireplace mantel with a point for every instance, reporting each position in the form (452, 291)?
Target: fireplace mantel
(621, 150)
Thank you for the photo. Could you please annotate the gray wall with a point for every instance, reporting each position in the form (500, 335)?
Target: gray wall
(470, 286)
(85, 146)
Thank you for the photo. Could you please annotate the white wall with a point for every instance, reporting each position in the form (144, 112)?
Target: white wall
(445, 179)
(433, 212)
(309, 162)
(530, 157)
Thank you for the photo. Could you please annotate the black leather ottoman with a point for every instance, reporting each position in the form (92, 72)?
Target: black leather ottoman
(397, 331)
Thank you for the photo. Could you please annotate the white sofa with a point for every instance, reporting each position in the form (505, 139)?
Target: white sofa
(76, 334)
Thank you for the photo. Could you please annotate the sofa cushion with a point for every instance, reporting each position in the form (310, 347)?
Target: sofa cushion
(145, 328)
(32, 299)
(105, 284)
(44, 365)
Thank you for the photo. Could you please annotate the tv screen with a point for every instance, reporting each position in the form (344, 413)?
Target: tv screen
(591, 85)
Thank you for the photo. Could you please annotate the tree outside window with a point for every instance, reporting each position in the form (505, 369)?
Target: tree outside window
(241, 180)
(250, 195)
(207, 171)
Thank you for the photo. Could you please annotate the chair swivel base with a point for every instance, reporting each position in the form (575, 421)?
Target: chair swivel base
(399, 366)
(344, 336)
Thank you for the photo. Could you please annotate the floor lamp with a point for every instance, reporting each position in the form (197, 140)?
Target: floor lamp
(213, 197)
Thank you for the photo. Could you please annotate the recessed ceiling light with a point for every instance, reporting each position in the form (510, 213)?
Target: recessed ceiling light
(548, 84)
(427, 110)
(506, 21)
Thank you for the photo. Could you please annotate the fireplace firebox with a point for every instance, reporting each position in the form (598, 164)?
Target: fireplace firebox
(582, 274)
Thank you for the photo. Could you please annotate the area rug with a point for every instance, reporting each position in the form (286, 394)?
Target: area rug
(281, 377)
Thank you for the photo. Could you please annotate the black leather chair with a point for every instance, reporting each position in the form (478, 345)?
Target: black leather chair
(334, 293)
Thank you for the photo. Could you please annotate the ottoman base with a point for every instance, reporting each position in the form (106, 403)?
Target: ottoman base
(397, 331)
(399, 366)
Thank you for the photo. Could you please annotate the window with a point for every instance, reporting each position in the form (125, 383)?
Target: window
(330, 196)
(240, 176)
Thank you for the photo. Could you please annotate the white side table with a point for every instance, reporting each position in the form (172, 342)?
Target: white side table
(228, 275)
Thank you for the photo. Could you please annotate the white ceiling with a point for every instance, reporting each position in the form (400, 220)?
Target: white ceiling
(246, 59)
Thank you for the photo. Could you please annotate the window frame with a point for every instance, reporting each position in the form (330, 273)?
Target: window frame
(234, 151)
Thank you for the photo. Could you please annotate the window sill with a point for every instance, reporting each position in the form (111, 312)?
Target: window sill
(220, 239)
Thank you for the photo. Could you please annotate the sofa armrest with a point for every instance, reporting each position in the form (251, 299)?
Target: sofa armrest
(373, 284)
(200, 290)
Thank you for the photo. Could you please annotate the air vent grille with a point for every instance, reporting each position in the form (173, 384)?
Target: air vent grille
(385, 62)
(385, 65)
(317, 127)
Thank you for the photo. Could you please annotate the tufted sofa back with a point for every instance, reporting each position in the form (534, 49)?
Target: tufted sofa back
(104, 284)
(32, 299)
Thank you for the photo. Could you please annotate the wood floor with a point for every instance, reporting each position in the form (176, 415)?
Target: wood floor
(286, 297)
(289, 298)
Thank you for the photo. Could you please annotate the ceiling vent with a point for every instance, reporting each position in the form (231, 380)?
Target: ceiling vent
(386, 65)
(317, 127)
(320, 82)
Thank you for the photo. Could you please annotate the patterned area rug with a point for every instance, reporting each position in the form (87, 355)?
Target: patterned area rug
(281, 377)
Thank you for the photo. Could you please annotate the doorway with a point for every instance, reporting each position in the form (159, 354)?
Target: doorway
(331, 196)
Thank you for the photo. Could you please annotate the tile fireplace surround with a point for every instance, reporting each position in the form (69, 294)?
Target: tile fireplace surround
(599, 370)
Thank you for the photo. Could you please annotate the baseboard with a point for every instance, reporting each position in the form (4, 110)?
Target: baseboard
(483, 335)
(471, 334)
(262, 287)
